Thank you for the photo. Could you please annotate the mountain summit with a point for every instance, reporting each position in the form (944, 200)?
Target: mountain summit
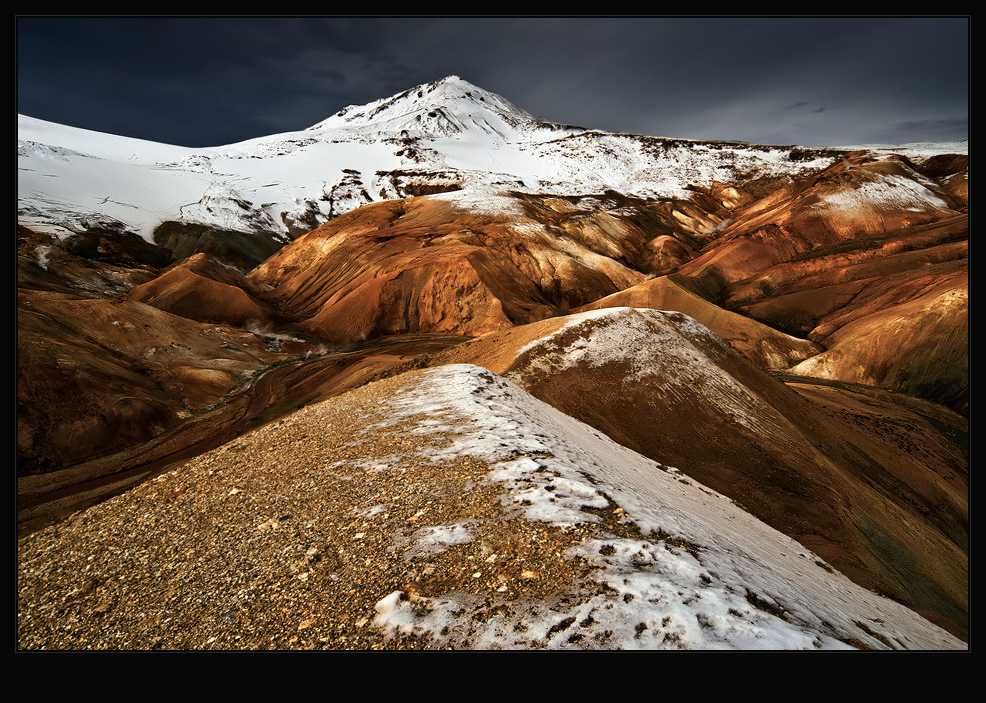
(440, 136)
(451, 107)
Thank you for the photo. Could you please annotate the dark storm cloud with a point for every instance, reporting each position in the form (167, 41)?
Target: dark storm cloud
(208, 81)
(197, 81)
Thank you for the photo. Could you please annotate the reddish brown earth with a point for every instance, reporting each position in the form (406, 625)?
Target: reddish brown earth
(866, 264)
(805, 258)
(111, 389)
(48, 494)
(853, 283)
(199, 288)
(421, 265)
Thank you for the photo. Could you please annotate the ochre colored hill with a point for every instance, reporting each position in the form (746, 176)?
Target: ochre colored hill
(424, 265)
(200, 288)
(761, 344)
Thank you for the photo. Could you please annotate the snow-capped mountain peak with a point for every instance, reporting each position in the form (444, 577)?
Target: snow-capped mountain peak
(451, 107)
(444, 135)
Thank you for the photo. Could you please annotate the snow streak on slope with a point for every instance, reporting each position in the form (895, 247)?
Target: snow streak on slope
(668, 349)
(704, 574)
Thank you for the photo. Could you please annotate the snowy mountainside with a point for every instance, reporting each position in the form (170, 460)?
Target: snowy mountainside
(445, 135)
(448, 107)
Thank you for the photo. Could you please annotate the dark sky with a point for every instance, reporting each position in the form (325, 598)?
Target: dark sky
(200, 81)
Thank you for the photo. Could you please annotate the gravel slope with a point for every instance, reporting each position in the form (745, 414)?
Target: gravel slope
(443, 508)
(285, 538)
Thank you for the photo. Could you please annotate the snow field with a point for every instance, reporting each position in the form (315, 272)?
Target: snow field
(66, 174)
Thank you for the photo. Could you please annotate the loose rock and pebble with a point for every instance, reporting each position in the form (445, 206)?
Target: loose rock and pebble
(288, 538)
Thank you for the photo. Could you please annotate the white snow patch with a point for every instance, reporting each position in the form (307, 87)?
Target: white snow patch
(43, 252)
(487, 201)
(438, 538)
(913, 149)
(889, 191)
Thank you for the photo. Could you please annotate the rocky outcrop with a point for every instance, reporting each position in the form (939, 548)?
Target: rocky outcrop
(240, 250)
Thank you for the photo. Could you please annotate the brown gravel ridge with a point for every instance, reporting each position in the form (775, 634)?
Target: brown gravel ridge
(286, 538)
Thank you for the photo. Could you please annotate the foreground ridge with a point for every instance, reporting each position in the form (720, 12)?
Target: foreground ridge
(567, 540)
